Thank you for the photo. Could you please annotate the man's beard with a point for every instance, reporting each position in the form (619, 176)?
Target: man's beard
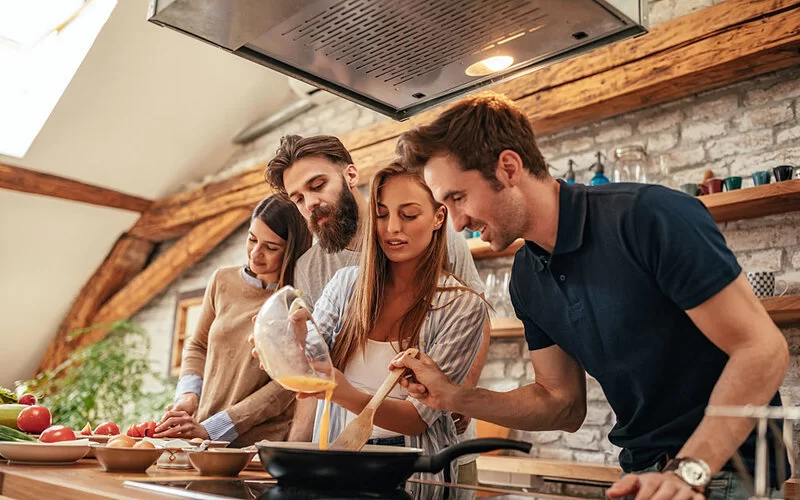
(341, 222)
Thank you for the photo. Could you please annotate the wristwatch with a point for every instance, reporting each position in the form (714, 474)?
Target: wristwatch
(692, 471)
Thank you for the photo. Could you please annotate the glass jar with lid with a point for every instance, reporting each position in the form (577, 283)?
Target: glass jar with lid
(631, 164)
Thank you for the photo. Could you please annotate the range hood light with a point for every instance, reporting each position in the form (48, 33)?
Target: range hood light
(489, 65)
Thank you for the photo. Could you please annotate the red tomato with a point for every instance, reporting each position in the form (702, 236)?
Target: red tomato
(27, 399)
(133, 431)
(57, 433)
(151, 429)
(107, 429)
(87, 430)
(34, 419)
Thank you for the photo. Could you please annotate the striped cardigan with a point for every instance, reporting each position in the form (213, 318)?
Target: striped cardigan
(451, 336)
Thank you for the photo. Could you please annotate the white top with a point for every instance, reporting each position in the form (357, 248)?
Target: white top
(366, 372)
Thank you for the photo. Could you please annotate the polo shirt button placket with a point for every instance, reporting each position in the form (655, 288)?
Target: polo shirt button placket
(562, 278)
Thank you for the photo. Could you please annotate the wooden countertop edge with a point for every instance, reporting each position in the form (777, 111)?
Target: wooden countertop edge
(87, 480)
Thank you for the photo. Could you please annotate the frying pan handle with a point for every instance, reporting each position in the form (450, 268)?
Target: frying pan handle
(437, 462)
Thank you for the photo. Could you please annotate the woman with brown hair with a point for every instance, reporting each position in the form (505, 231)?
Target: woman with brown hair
(401, 295)
(222, 394)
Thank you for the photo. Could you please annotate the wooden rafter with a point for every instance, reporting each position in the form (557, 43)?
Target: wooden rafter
(728, 42)
(31, 181)
(123, 262)
(149, 282)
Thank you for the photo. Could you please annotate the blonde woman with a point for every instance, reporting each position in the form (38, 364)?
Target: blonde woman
(400, 296)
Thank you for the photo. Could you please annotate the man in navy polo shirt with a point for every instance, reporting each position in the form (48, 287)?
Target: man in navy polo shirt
(631, 283)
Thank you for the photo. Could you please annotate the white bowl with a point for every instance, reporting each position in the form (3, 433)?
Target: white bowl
(64, 452)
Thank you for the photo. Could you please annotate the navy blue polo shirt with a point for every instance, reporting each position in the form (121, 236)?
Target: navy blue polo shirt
(629, 260)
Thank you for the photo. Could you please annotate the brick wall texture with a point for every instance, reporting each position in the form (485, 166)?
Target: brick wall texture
(733, 130)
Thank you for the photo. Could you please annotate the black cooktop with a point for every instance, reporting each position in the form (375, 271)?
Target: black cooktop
(267, 489)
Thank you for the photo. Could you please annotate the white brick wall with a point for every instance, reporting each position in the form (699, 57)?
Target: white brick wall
(733, 131)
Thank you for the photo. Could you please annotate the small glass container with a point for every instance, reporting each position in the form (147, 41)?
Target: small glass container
(599, 173)
(631, 165)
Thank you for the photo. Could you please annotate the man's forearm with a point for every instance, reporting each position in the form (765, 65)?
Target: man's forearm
(530, 408)
(303, 423)
(716, 439)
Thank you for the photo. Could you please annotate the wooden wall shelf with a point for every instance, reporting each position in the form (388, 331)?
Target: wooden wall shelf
(748, 203)
(783, 311)
(758, 201)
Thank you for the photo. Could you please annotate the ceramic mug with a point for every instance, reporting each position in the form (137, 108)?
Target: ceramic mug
(783, 173)
(763, 283)
(761, 178)
(690, 189)
(732, 183)
(713, 185)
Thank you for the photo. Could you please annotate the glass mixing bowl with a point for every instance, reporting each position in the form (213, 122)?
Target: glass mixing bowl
(295, 357)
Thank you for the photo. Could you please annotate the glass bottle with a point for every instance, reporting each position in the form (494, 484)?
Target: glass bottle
(570, 176)
(599, 173)
(631, 164)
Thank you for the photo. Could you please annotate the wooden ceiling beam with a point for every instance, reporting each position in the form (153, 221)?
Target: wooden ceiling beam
(30, 181)
(699, 51)
(173, 216)
(123, 262)
(161, 272)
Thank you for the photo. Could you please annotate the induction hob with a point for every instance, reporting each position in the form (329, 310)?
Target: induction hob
(268, 489)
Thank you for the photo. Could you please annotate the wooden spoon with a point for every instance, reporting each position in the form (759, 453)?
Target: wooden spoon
(358, 432)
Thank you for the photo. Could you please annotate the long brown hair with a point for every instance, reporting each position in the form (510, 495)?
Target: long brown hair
(283, 218)
(364, 307)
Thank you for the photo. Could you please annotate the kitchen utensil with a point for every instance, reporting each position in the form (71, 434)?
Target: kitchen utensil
(732, 183)
(783, 173)
(126, 459)
(295, 358)
(220, 462)
(690, 189)
(358, 432)
(64, 452)
(375, 468)
(760, 178)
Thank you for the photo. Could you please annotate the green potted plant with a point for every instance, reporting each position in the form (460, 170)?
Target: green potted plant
(104, 381)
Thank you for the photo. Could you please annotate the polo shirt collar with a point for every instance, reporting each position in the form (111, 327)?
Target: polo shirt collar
(249, 278)
(571, 223)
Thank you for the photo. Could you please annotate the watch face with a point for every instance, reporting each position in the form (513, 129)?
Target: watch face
(694, 473)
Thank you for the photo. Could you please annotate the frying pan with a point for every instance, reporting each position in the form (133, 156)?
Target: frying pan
(374, 468)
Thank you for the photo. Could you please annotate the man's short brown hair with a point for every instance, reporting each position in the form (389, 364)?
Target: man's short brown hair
(294, 147)
(475, 131)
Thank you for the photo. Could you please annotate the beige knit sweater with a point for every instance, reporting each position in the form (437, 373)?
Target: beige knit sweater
(218, 352)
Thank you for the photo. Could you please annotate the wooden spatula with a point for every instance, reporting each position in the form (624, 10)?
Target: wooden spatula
(358, 432)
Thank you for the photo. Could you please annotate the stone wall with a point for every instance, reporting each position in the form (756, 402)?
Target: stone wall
(732, 131)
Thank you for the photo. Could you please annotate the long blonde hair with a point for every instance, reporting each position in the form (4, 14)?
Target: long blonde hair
(364, 307)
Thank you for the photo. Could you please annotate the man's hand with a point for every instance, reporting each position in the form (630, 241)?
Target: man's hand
(430, 385)
(188, 402)
(655, 485)
(461, 421)
(176, 424)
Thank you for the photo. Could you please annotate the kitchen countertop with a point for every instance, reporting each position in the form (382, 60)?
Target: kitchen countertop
(86, 480)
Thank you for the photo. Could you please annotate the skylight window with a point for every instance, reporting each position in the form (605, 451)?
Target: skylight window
(42, 44)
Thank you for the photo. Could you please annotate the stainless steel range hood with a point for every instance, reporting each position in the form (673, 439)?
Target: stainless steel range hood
(400, 57)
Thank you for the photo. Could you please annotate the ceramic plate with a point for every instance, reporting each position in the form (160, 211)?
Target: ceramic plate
(65, 452)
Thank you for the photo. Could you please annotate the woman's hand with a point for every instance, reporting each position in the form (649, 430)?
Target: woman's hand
(179, 424)
(188, 402)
